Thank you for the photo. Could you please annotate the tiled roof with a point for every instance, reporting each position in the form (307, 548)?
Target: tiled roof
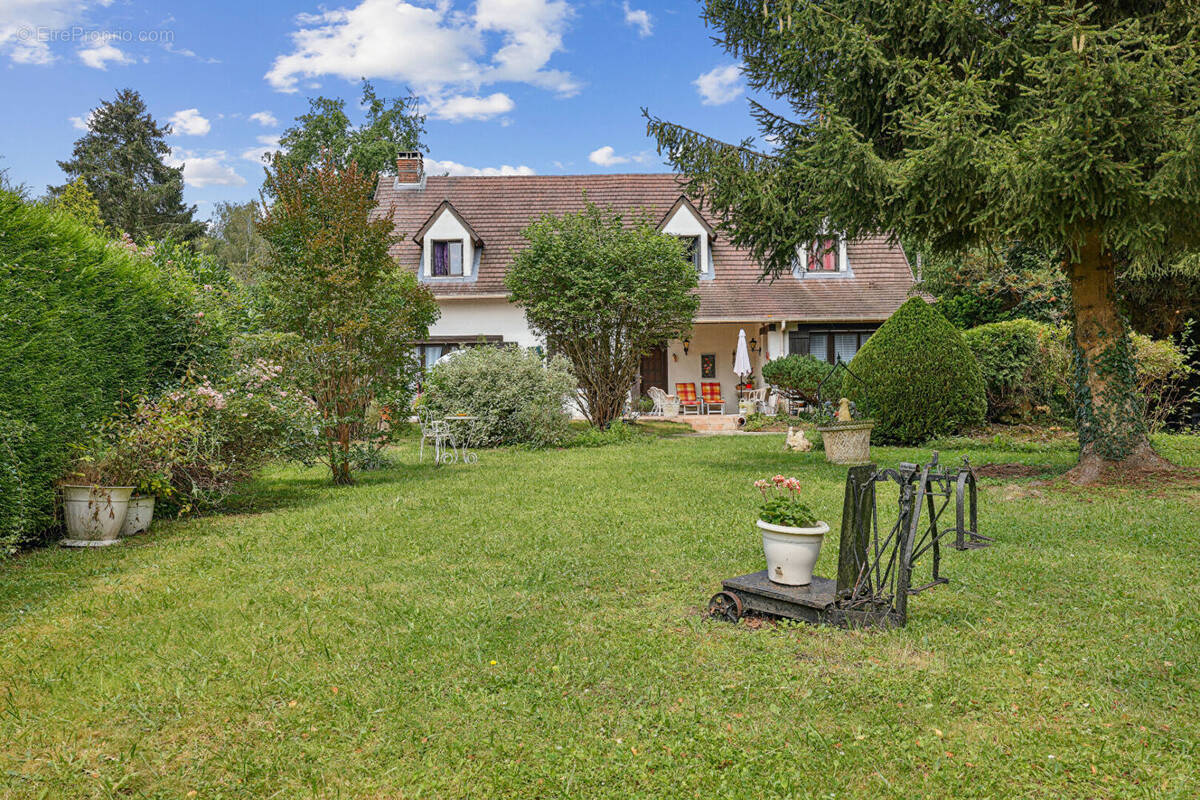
(499, 208)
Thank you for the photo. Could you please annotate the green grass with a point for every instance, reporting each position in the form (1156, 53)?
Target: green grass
(532, 626)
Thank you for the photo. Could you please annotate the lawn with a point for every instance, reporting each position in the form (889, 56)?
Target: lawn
(532, 626)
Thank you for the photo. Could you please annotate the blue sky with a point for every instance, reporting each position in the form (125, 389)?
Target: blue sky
(547, 86)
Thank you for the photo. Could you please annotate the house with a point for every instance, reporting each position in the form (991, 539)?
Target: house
(460, 234)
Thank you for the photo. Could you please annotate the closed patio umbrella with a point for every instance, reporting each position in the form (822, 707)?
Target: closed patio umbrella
(741, 362)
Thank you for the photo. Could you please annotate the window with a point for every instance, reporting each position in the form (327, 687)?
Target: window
(828, 346)
(691, 250)
(823, 255)
(430, 353)
(447, 259)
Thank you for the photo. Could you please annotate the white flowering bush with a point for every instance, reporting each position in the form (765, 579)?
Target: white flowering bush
(517, 396)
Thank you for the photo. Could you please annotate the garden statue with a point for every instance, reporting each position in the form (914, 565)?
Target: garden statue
(796, 440)
(843, 414)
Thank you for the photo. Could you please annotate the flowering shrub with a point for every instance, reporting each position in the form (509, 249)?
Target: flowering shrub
(781, 503)
(244, 422)
(189, 446)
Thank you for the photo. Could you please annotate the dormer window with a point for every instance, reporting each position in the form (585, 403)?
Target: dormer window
(823, 256)
(692, 251)
(447, 258)
(450, 247)
(685, 222)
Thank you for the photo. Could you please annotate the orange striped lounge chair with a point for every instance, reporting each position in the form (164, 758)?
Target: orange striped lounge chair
(686, 392)
(712, 402)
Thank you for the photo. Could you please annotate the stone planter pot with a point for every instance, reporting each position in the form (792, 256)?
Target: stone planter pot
(139, 515)
(746, 407)
(94, 514)
(847, 442)
(670, 409)
(791, 552)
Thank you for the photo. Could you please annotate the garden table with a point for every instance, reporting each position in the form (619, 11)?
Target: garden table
(463, 425)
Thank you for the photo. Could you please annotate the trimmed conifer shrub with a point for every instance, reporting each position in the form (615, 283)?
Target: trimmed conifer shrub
(798, 377)
(921, 380)
(84, 323)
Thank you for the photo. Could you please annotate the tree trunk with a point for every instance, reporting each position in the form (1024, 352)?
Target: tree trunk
(1109, 413)
(603, 406)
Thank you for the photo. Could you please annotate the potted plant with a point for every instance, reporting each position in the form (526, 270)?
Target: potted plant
(792, 534)
(146, 440)
(847, 440)
(95, 493)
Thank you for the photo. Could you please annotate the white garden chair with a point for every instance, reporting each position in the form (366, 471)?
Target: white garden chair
(759, 398)
(660, 400)
(437, 432)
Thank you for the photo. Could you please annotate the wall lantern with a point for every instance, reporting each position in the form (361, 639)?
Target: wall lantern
(754, 348)
(686, 344)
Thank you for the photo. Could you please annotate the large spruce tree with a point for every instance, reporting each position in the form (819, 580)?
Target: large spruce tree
(120, 159)
(1073, 127)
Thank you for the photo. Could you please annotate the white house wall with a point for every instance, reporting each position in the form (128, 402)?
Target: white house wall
(472, 318)
(720, 339)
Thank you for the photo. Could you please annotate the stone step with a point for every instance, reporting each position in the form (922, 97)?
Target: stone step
(708, 423)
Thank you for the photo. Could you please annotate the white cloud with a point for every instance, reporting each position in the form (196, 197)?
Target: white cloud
(209, 169)
(461, 107)
(639, 19)
(264, 118)
(189, 123)
(23, 23)
(442, 53)
(435, 167)
(720, 85)
(607, 157)
(266, 146)
(183, 51)
(99, 52)
(82, 123)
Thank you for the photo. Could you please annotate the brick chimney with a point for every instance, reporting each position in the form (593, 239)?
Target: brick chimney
(410, 167)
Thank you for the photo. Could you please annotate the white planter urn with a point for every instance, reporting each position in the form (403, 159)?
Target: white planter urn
(792, 552)
(94, 514)
(671, 408)
(139, 515)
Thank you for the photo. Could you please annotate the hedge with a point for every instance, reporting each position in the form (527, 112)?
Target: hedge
(921, 379)
(1024, 368)
(83, 323)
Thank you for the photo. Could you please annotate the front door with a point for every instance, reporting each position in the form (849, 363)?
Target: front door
(654, 369)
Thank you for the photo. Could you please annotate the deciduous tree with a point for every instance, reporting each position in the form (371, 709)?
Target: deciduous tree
(326, 131)
(333, 284)
(603, 293)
